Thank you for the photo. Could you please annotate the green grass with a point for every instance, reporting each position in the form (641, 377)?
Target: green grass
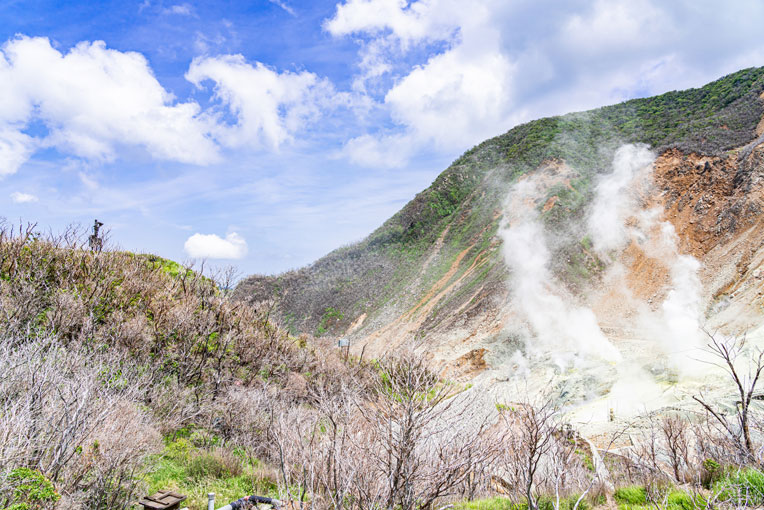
(197, 471)
(499, 503)
(745, 485)
(496, 503)
(635, 498)
(633, 495)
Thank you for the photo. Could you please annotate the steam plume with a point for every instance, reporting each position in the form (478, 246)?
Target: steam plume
(561, 328)
(616, 217)
(615, 200)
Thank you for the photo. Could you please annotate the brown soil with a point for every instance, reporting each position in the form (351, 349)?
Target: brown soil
(715, 205)
(647, 276)
(405, 326)
(550, 203)
(467, 365)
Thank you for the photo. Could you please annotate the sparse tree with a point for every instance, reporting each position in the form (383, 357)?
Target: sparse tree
(728, 352)
(529, 439)
(677, 445)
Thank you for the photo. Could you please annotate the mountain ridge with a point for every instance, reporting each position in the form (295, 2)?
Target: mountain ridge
(450, 227)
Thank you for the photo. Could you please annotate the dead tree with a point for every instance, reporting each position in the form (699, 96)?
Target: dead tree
(674, 431)
(420, 439)
(530, 439)
(727, 352)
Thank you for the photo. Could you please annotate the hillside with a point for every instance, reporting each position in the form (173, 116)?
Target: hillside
(103, 355)
(436, 267)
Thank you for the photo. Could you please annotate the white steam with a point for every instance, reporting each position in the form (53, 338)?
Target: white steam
(616, 219)
(561, 328)
(615, 200)
(568, 332)
(680, 317)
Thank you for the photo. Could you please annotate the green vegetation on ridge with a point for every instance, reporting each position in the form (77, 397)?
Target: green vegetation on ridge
(387, 270)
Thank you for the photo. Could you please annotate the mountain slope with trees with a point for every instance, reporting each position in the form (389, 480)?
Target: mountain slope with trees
(440, 254)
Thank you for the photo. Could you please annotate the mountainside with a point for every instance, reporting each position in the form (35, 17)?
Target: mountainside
(680, 172)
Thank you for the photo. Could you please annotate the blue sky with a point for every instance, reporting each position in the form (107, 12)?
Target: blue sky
(264, 134)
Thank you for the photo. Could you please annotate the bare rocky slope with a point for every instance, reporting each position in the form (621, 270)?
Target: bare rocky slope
(437, 274)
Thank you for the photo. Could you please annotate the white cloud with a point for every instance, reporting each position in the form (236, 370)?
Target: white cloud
(214, 247)
(284, 6)
(615, 26)
(15, 149)
(270, 107)
(409, 22)
(383, 152)
(457, 75)
(456, 96)
(92, 100)
(181, 9)
(23, 198)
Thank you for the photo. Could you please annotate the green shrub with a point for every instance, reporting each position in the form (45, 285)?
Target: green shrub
(219, 463)
(29, 490)
(633, 495)
(179, 449)
(711, 473)
(680, 500)
(745, 486)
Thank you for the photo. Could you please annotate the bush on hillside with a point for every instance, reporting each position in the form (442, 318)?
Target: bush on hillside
(26, 489)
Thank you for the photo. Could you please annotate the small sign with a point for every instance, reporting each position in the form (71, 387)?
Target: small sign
(343, 342)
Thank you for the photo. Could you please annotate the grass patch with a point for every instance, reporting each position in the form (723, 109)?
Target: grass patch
(635, 498)
(633, 495)
(499, 503)
(496, 503)
(196, 471)
(745, 486)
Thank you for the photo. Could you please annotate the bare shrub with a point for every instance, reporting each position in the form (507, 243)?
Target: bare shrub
(407, 444)
(422, 444)
(70, 414)
(111, 466)
(677, 446)
(530, 438)
(728, 354)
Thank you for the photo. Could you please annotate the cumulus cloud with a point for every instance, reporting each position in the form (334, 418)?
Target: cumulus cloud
(615, 26)
(269, 106)
(212, 246)
(409, 22)
(457, 96)
(92, 100)
(496, 64)
(15, 149)
(23, 198)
